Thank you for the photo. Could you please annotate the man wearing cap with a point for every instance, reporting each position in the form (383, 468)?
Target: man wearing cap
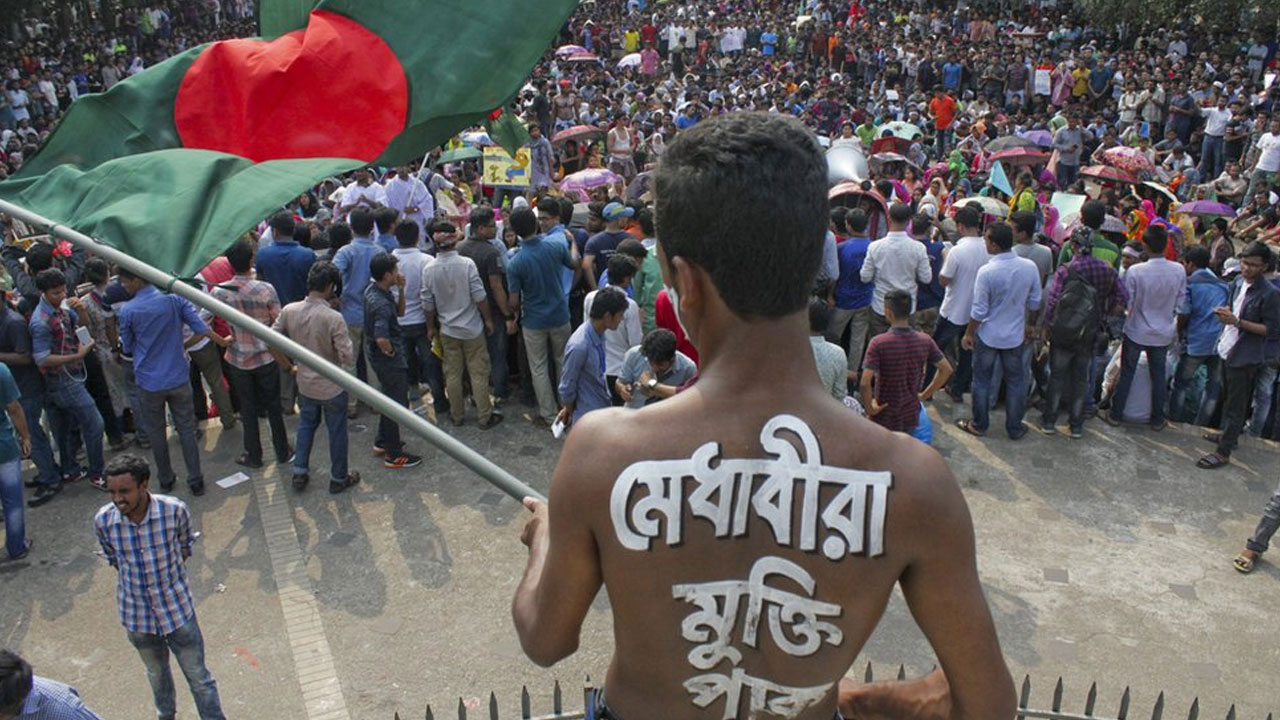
(603, 244)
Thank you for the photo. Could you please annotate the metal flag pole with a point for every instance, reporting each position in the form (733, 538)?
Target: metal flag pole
(473, 460)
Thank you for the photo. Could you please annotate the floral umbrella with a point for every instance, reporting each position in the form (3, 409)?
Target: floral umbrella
(577, 132)
(1128, 159)
(900, 129)
(564, 50)
(589, 178)
(1113, 174)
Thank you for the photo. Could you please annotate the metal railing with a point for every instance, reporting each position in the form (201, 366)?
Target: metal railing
(1025, 711)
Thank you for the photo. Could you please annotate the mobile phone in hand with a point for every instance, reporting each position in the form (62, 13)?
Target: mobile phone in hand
(83, 334)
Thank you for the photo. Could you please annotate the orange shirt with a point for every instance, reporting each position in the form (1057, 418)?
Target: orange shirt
(944, 111)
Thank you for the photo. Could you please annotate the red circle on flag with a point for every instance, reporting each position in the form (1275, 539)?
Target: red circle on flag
(333, 90)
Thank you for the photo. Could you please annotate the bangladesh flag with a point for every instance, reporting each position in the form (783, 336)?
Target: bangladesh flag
(174, 163)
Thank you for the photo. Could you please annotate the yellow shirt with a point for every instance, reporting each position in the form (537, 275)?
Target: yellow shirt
(631, 41)
(1081, 86)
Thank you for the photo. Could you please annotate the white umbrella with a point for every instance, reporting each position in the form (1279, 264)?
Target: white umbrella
(632, 60)
(988, 205)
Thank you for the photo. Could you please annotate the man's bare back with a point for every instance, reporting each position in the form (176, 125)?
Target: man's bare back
(749, 532)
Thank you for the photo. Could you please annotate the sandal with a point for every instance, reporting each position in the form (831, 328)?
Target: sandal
(967, 426)
(1212, 461)
(1244, 564)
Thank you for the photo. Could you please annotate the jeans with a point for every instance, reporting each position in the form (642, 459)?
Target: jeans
(356, 333)
(256, 388)
(1261, 539)
(209, 363)
(74, 417)
(1011, 362)
(424, 366)
(1067, 174)
(47, 471)
(473, 357)
(393, 376)
(187, 645)
(1237, 386)
(1211, 157)
(859, 322)
(1157, 357)
(1264, 387)
(499, 375)
(182, 405)
(1187, 367)
(1255, 178)
(947, 333)
(15, 528)
(545, 349)
(96, 384)
(1069, 371)
(334, 411)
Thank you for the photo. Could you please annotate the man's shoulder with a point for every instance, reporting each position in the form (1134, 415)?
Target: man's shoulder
(107, 515)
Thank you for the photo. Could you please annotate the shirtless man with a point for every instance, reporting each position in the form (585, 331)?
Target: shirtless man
(751, 529)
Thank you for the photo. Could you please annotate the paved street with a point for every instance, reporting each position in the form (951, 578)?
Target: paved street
(1106, 558)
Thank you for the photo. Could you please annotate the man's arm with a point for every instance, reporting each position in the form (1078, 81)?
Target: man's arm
(20, 425)
(940, 378)
(868, 272)
(589, 271)
(499, 294)
(104, 541)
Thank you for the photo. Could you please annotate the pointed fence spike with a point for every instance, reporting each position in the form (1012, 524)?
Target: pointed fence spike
(1158, 711)
(429, 715)
(1231, 713)
(588, 696)
(868, 675)
(557, 701)
(462, 710)
(902, 672)
(1025, 696)
(1057, 696)
(525, 711)
(1195, 710)
(1123, 713)
(493, 706)
(397, 716)
(1091, 700)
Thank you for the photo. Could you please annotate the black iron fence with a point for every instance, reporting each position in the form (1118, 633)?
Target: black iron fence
(1056, 711)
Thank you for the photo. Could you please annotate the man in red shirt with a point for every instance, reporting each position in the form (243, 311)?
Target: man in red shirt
(895, 363)
(943, 109)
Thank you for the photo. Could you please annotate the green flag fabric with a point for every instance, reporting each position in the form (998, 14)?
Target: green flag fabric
(176, 162)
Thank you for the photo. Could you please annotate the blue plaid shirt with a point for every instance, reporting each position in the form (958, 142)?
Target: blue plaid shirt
(51, 700)
(153, 594)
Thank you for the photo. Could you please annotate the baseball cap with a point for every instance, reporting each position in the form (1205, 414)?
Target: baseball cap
(616, 211)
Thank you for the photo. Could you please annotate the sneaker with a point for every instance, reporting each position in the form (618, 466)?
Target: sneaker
(245, 461)
(97, 481)
(1075, 433)
(401, 460)
(26, 550)
(197, 487)
(494, 419)
(1044, 428)
(68, 478)
(378, 449)
(43, 494)
(335, 487)
(1157, 427)
(1111, 420)
(300, 481)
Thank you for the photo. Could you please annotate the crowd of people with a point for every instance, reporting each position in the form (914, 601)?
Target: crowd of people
(1065, 219)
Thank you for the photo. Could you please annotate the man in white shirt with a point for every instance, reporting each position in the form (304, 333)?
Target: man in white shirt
(1215, 128)
(408, 196)
(958, 274)
(364, 191)
(18, 102)
(1268, 163)
(413, 323)
(896, 261)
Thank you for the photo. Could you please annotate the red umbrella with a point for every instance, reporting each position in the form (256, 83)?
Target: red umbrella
(1020, 156)
(577, 132)
(1106, 172)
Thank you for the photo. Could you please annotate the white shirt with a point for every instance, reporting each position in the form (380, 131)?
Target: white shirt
(404, 192)
(356, 194)
(1268, 153)
(961, 270)
(895, 262)
(618, 342)
(1215, 120)
(412, 261)
(1230, 333)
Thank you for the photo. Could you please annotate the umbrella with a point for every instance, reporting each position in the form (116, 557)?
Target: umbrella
(459, 154)
(564, 50)
(988, 205)
(589, 178)
(1106, 172)
(1206, 207)
(1039, 137)
(632, 60)
(577, 132)
(1113, 224)
(1161, 189)
(1128, 159)
(899, 129)
(1009, 142)
(890, 144)
(879, 160)
(475, 138)
(583, 57)
(1020, 156)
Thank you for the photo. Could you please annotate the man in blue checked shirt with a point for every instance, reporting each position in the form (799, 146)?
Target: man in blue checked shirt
(147, 538)
(26, 696)
(583, 387)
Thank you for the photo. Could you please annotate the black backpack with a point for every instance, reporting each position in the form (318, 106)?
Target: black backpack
(1077, 319)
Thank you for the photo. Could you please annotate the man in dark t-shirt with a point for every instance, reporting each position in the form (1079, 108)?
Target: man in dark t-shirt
(15, 351)
(603, 244)
(488, 259)
(895, 363)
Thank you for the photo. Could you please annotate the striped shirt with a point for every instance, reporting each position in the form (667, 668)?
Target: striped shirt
(52, 700)
(152, 593)
(898, 358)
(259, 301)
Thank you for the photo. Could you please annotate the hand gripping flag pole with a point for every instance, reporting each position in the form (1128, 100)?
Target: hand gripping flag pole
(473, 460)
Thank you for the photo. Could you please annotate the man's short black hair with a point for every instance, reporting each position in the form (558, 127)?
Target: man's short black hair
(240, 255)
(524, 222)
(920, 224)
(97, 271)
(621, 268)
(899, 302)
(608, 301)
(1155, 238)
(282, 225)
(1001, 236)
(856, 221)
(645, 218)
(838, 215)
(339, 235)
(361, 221)
(130, 464)
(819, 316)
(744, 197)
(968, 216)
(50, 278)
(659, 346)
(566, 211)
(15, 682)
(899, 213)
(633, 249)
(1197, 255)
(481, 216)
(321, 275)
(385, 219)
(1259, 249)
(39, 257)
(1024, 220)
(1092, 214)
(302, 234)
(407, 233)
(380, 265)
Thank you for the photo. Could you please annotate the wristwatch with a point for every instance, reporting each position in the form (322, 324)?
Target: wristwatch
(653, 383)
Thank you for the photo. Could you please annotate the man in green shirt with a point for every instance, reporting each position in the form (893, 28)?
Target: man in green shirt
(647, 282)
(1092, 214)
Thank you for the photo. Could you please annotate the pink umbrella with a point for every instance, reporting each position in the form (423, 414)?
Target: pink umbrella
(564, 50)
(1113, 174)
(1020, 156)
(1040, 137)
(583, 57)
(589, 178)
(1206, 207)
(1128, 159)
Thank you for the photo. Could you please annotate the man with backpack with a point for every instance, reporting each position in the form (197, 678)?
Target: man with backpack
(1084, 293)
